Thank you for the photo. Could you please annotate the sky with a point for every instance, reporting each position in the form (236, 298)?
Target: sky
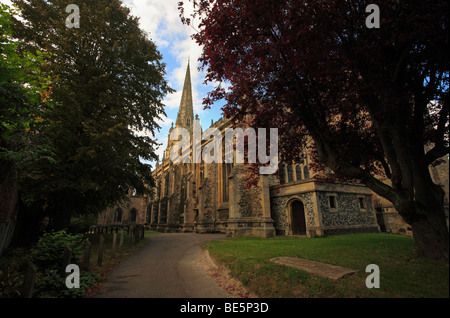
(161, 21)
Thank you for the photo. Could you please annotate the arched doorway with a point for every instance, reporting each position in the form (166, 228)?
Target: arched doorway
(298, 222)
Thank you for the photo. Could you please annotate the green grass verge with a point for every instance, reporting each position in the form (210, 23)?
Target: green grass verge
(401, 275)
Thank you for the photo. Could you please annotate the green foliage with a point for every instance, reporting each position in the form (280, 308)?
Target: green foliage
(11, 280)
(51, 284)
(49, 251)
(48, 256)
(13, 264)
(21, 84)
(10, 283)
(82, 223)
(107, 84)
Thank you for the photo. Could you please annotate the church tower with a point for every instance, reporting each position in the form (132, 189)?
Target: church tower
(185, 118)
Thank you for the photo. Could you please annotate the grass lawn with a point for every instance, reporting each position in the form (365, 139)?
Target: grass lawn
(401, 275)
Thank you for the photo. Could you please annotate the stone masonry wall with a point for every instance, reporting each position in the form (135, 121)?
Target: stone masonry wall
(279, 210)
(348, 212)
(249, 202)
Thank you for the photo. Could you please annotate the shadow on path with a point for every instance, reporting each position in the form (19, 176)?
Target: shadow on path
(167, 266)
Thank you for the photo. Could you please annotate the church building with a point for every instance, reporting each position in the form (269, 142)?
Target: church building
(212, 197)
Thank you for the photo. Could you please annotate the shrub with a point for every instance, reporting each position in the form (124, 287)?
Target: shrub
(49, 251)
(13, 265)
(48, 256)
(51, 284)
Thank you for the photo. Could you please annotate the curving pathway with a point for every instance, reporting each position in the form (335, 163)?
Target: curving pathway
(166, 267)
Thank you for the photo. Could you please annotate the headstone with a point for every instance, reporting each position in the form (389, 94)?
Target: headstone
(87, 256)
(130, 235)
(113, 247)
(121, 241)
(136, 234)
(29, 281)
(100, 251)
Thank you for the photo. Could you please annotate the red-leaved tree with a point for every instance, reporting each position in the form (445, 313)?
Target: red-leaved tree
(372, 99)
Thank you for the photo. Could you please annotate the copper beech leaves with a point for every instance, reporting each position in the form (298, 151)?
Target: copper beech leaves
(370, 98)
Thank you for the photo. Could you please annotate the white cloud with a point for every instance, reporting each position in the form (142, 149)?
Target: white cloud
(162, 21)
(165, 121)
(156, 17)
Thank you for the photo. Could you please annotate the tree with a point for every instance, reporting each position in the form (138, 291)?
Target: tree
(21, 88)
(108, 83)
(373, 100)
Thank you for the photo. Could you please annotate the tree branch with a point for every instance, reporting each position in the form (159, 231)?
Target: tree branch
(330, 157)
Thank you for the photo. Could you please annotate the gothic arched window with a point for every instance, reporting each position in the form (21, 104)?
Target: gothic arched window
(306, 172)
(281, 173)
(166, 184)
(118, 215)
(290, 173)
(133, 215)
(298, 172)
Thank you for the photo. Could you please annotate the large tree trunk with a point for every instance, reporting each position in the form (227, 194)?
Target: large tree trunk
(9, 194)
(414, 195)
(430, 238)
(426, 216)
(30, 225)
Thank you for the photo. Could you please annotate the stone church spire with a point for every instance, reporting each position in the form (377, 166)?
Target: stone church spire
(185, 118)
